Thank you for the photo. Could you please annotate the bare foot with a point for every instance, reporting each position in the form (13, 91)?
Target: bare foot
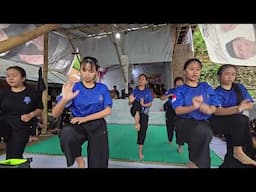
(192, 165)
(141, 156)
(180, 150)
(254, 142)
(243, 158)
(170, 142)
(33, 138)
(30, 139)
(80, 162)
(137, 126)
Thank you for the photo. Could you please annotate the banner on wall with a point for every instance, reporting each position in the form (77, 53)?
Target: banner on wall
(230, 43)
(156, 72)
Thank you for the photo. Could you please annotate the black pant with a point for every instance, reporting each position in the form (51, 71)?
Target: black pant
(136, 107)
(143, 129)
(170, 116)
(236, 132)
(198, 135)
(72, 138)
(4, 127)
(17, 138)
(169, 122)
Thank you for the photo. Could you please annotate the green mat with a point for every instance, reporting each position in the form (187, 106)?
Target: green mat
(122, 146)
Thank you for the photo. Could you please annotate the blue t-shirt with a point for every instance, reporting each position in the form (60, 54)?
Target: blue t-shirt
(169, 91)
(228, 98)
(89, 100)
(146, 94)
(184, 94)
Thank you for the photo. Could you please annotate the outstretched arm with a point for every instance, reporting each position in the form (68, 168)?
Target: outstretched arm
(67, 95)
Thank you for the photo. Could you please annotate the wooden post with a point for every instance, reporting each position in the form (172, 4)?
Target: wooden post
(119, 51)
(45, 92)
(174, 33)
(15, 41)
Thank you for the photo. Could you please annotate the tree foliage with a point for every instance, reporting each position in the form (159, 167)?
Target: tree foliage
(209, 74)
(199, 44)
(209, 69)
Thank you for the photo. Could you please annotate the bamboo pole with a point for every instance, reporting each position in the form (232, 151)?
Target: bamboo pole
(45, 77)
(15, 41)
(119, 52)
(176, 34)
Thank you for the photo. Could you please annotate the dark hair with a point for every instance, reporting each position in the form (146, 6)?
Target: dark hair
(238, 92)
(234, 85)
(230, 48)
(178, 79)
(191, 60)
(143, 75)
(18, 68)
(223, 67)
(21, 71)
(91, 60)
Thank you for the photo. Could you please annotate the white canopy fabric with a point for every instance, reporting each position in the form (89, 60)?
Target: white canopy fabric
(140, 47)
(147, 46)
(143, 46)
(31, 71)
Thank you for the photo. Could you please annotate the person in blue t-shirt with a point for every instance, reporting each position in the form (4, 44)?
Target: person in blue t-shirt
(170, 113)
(89, 103)
(229, 118)
(141, 99)
(194, 102)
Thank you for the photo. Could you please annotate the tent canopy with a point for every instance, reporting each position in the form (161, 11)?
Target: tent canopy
(32, 72)
(141, 43)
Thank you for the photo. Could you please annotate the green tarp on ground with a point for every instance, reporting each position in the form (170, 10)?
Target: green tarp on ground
(122, 145)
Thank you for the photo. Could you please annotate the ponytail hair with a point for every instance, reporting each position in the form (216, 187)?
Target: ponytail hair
(238, 92)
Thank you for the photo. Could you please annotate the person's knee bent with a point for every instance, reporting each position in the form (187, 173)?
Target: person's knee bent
(66, 133)
(136, 107)
(204, 132)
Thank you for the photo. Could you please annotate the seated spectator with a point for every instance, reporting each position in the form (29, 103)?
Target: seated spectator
(115, 93)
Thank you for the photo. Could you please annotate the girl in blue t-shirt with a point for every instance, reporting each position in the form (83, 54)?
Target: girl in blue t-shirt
(141, 99)
(194, 102)
(89, 103)
(170, 114)
(229, 118)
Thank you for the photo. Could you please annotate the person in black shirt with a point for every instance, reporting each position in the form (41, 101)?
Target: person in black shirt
(19, 104)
